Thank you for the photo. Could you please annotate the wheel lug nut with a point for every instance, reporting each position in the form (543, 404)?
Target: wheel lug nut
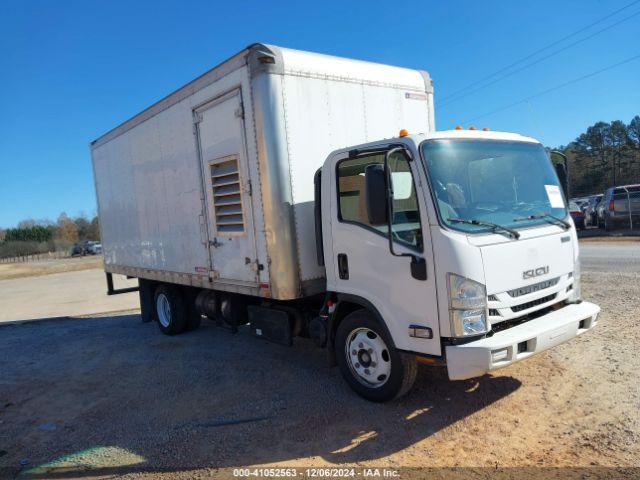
(357, 365)
(353, 352)
(373, 364)
(370, 351)
(360, 345)
(366, 370)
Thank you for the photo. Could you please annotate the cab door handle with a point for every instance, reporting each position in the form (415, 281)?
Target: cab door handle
(343, 266)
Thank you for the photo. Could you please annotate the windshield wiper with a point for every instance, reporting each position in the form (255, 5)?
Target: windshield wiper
(494, 226)
(545, 216)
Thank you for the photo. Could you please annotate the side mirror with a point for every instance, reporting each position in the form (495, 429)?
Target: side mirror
(561, 170)
(376, 194)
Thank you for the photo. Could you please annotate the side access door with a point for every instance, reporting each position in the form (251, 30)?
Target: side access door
(363, 264)
(229, 217)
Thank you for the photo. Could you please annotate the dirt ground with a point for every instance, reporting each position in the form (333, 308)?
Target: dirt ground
(79, 291)
(610, 239)
(46, 267)
(112, 397)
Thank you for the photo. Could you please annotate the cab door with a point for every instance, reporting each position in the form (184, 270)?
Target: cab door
(227, 186)
(363, 264)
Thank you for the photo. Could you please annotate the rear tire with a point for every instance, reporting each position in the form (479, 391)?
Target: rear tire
(368, 360)
(171, 309)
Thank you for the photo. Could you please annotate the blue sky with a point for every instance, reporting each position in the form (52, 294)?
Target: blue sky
(71, 70)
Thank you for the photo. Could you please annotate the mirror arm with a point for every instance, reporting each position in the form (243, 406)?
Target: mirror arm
(418, 264)
(389, 194)
(565, 162)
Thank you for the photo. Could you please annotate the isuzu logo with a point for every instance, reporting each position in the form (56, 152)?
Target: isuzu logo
(535, 272)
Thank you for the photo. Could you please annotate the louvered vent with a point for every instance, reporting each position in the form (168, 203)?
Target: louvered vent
(227, 197)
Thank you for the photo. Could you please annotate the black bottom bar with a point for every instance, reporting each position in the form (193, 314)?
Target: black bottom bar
(113, 291)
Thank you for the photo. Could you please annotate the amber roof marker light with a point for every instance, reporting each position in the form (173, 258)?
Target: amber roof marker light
(403, 133)
(458, 127)
(485, 129)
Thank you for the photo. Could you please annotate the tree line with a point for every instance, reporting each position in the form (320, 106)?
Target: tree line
(606, 155)
(41, 236)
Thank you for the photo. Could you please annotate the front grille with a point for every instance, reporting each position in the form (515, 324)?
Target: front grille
(533, 303)
(536, 287)
(498, 327)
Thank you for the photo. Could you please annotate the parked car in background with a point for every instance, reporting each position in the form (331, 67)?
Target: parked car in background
(78, 250)
(620, 208)
(86, 248)
(590, 213)
(582, 202)
(577, 215)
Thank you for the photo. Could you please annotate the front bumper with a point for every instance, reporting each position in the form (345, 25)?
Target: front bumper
(476, 358)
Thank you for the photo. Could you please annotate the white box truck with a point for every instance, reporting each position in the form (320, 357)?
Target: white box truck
(275, 191)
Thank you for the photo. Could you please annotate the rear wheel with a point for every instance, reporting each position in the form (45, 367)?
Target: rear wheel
(368, 360)
(171, 310)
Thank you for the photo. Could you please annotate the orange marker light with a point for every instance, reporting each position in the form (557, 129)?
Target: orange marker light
(426, 360)
(458, 127)
(403, 133)
(472, 127)
(485, 129)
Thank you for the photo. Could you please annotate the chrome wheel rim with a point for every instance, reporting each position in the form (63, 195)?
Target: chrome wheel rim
(164, 310)
(368, 357)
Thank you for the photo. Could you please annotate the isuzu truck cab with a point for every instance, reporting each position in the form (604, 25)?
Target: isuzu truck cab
(458, 245)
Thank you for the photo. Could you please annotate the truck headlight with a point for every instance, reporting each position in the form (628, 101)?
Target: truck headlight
(575, 295)
(467, 306)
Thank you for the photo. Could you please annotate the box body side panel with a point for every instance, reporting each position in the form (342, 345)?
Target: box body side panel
(324, 114)
(149, 187)
(149, 180)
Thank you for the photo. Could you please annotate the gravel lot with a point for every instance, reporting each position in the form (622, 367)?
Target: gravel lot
(110, 396)
(71, 293)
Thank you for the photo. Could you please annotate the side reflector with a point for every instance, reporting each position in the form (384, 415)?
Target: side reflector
(418, 331)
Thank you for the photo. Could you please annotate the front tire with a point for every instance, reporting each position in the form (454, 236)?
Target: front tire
(368, 360)
(171, 310)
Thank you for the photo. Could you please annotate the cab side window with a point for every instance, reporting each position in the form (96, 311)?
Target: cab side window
(406, 227)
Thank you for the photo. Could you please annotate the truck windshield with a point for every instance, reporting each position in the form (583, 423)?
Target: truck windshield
(512, 184)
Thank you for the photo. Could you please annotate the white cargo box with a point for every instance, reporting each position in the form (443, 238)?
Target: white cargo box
(213, 185)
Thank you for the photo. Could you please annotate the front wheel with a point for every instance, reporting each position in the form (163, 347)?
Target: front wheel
(368, 360)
